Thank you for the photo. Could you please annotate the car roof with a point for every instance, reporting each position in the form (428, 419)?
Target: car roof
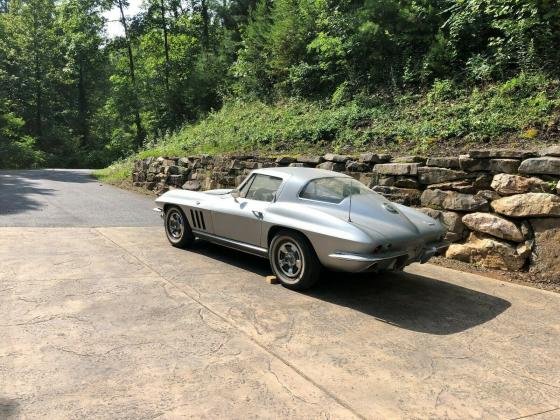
(302, 174)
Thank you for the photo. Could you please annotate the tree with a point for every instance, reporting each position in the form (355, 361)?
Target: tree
(140, 134)
(82, 26)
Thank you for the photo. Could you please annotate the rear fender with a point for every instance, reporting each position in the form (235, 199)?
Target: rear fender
(327, 233)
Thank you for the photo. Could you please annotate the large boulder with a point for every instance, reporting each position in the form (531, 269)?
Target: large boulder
(452, 200)
(433, 175)
(546, 252)
(331, 157)
(175, 180)
(449, 162)
(397, 168)
(170, 161)
(410, 159)
(184, 162)
(485, 251)
(192, 185)
(398, 181)
(285, 160)
(310, 160)
(543, 165)
(508, 166)
(493, 225)
(459, 186)
(507, 184)
(154, 167)
(354, 166)
(370, 157)
(528, 205)
(501, 153)
(551, 151)
(405, 196)
(488, 195)
(140, 165)
(138, 177)
(482, 181)
(469, 164)
(451, 220)
(406, 182)
(237, 164)
(558, 188)
(332, 166)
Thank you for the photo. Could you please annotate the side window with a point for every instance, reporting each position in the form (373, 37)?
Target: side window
(245, 187)
(263, 188)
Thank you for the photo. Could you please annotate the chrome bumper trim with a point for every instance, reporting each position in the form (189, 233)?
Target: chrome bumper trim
(430, 250)
(158, 210)
(427, 252)
(367, 258)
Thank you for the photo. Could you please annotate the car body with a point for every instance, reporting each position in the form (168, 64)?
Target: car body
(347, 226)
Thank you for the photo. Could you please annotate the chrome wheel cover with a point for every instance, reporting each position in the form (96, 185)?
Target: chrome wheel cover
(289, 261)
(175, 225)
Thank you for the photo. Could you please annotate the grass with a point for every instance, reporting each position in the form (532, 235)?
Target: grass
(518, 112)
(116, 172)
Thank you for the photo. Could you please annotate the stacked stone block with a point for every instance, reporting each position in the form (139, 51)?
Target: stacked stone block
(501, 206)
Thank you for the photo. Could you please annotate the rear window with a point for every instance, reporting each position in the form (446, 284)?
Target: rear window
(333, 189)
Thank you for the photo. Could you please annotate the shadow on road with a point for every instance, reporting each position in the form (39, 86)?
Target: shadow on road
(8, 408)
(405, 300)
(17, 188)
(257, 265)
(409, 301)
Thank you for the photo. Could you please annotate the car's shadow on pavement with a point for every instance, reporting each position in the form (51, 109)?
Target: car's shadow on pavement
(410, 301)
(406, 300)
(8, 408)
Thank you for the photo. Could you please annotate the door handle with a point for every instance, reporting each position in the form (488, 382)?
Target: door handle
(258, 214)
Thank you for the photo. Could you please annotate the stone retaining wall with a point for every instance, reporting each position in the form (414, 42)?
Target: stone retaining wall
(501, 207)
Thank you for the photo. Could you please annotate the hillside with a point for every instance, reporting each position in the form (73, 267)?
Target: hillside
(521, 112)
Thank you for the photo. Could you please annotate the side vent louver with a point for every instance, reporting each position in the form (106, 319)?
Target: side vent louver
(197, 218)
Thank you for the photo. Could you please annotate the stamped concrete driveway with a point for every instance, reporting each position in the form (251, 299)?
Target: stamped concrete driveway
(99, 321)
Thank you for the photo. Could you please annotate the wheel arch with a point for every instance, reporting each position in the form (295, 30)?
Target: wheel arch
(277, 228)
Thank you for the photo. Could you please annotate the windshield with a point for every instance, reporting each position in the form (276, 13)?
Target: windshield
(333, 189)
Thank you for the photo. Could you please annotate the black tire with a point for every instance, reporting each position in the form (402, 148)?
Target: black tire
(285, 250)
(177, 228)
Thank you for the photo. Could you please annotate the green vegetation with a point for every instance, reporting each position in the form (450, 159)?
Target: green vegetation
(292, 76)
(521, 108)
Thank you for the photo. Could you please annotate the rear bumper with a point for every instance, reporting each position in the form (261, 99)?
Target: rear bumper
(352, 262)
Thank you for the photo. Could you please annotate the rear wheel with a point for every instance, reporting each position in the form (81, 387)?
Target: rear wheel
(293, 261)
(177, 228)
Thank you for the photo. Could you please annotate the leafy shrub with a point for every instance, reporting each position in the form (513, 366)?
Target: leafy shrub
(441, 90)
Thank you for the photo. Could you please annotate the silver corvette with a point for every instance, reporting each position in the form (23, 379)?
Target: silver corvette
(302, 220)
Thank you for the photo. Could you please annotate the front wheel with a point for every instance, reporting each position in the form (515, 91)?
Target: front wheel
(293, 261)
(177, 228)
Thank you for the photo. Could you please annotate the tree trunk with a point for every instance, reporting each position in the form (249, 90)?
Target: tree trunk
(82, 106)
(137, 120)
(165, 46)
(38, 83)
(205, 23)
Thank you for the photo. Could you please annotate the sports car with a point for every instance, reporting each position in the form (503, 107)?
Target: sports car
(303, 220)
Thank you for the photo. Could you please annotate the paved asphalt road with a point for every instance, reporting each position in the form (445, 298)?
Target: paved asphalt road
(69, 198)
(112, 322)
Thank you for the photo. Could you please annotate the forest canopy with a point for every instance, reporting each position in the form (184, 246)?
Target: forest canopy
(72, 96)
